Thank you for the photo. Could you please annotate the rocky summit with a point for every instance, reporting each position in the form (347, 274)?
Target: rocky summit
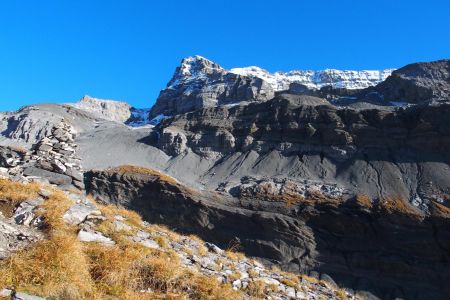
(237, 184)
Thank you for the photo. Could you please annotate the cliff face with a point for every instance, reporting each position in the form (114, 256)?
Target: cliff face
(199, 83)
(418, 82)
(386, 248)
(381, 152)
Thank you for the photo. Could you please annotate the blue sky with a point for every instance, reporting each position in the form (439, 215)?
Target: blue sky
(57, 51)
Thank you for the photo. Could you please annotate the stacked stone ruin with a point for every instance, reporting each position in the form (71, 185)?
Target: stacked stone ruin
(52, 160)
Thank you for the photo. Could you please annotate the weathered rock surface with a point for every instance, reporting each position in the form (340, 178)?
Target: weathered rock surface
(373, 151)
(351, 240)
(117, 111)
(19, 226)
(78, 213)
(418, 82)
(51, 160)
(199, 83)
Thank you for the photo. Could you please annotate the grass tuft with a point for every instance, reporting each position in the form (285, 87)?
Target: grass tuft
(62, 267)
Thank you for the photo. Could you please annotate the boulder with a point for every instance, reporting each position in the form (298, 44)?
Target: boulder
(79, 212)
(55, 178)
(94, 237)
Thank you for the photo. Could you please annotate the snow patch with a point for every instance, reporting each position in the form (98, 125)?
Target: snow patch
(317, 79)
(139, 117)
(399, 104)
(158, 119)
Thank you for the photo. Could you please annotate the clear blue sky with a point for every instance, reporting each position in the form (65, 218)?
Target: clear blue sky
(57, 51)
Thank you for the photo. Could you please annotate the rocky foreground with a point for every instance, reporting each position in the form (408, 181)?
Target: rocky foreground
(62, 245)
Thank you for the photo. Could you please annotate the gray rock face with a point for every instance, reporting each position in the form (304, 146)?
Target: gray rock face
(51, 160)
(298, 134)
(117, 111)
(79, 212)
(199, 83)
(25, 296)
(90, 236)
(329, 235)
(20, 230)
(418, 82)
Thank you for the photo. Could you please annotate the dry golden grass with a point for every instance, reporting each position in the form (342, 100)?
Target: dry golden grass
(291, 280)
(201, 248)
(364, 201)
(310, 279)
(55, 267)
(17, 192)
(131, 217)
(61, 267)
(145, 171)
(18, 149)
(162, 241)
(234, 256)
(257, 289)
(341, 294)
(397, 204)
(440, 210)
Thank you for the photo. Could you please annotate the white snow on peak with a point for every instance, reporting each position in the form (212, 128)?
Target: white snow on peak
(317, 79)
(190, 65)
(195, 71)
(139, 117)
(158, 119)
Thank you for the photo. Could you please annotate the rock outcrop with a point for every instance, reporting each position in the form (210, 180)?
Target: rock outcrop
(199, 83)
(52, 160)
(38, 224)
(112, 110)
(385, 147)
(418, 82)
(117, 111)
(352, 240)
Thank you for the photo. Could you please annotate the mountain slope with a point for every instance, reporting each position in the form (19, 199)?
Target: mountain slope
(200, 83)
(325, 181)
(86, 250)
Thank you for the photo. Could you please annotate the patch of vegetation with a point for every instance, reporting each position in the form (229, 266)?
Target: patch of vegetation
(144, 171)
(364, 200)
(440, 210)
(62, 267)
(17, 192)
(397, 204)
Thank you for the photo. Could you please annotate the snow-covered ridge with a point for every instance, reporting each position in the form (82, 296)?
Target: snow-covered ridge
(197, 70)
(347, 79)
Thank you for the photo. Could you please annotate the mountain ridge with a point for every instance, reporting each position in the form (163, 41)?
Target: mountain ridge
(313, 181)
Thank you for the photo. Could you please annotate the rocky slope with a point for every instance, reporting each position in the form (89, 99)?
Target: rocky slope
(107, 109)
(418, 82)
(330, 182)
(352, 240)
(380, 152)
(111, 110)
(200, 83)
(52, 233)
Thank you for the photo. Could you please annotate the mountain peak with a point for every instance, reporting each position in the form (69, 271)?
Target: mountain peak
(118, 111)
(193, 68)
